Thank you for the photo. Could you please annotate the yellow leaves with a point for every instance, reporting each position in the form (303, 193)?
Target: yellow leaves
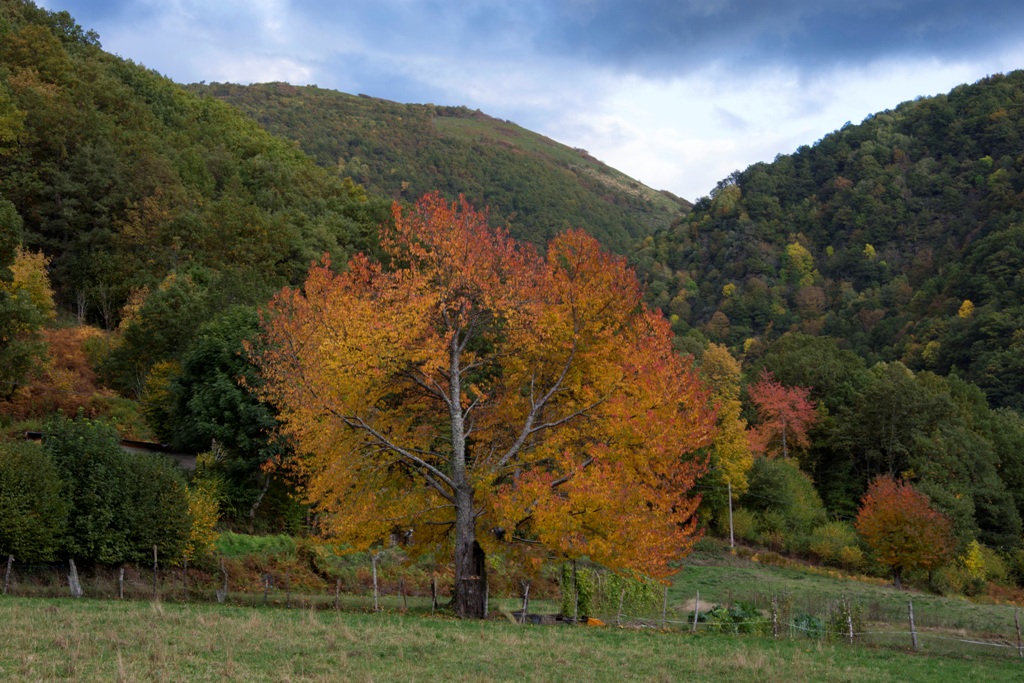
(730, 450)
(973, 561)
(966, 309)
(580, 420)
(204, 511)
(31, 282)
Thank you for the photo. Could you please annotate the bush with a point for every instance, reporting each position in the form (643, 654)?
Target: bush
(744, 524)
(809, 625)
(33, 511)
(841, 615)
(788, 506)
(955, 579)
(1016, 565)
(120, 504)
(996, 568)
(600, 591)
(742, 617)
(772, 559)
(829, 540)
(851, 557)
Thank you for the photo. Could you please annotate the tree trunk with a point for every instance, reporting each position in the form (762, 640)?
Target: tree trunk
(470, 565)
(897, 575)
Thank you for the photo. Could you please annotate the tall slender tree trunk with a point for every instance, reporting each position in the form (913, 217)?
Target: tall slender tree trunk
(470, 566)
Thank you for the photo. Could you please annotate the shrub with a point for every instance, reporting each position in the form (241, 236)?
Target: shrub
(120, 505)
(996, 568)
(841, 616)
(772, 559)
(851, 557)
(809, 625)
(828, 541)
(33, 511)
(744, 524)
(955, 579)
(600, 591)
(204, 511)
(1016, 565)
(741, 617)
(788, 505)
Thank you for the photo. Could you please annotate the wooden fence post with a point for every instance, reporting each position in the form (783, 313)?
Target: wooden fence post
(120, 582)
(849, 619)
(7, 574)
(664, 609)
(1016, 620)
(526, 600)
(576, 595)
(376, 598)
(913, 631)
(73, 583)
(184, 575)
(156, 593)
(775, 617)
(433, 594)
(696, 610)
(267, 578)
(618, 615)
(222, 594)
(732, 536)
(337, 593)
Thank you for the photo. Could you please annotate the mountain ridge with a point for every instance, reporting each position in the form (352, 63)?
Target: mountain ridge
(533, 185)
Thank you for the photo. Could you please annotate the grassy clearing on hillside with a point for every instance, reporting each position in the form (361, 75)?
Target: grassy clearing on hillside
(944, 625)
(105, 640)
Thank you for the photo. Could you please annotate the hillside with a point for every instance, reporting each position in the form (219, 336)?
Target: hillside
(121, 177)
(533, 185)
(902, 236)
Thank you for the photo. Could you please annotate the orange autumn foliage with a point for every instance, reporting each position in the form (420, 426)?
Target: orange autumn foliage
(785, 415)
(902, 528)
(66, 381)
(479, 391)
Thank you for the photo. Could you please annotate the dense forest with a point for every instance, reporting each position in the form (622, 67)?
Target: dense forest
(866, 293)
(902, 236)
(532, 185)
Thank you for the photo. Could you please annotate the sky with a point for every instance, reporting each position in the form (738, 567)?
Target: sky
(675, 93)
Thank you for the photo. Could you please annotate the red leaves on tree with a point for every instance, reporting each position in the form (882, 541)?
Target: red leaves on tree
(785, 414)
(902, 528)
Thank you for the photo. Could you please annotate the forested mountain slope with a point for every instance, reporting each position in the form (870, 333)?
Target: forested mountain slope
(533, 185)
(122, 177)
(902, 236)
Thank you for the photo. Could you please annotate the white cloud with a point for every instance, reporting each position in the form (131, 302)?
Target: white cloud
(682, 134)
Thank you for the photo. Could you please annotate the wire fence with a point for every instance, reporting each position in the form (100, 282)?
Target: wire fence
(840, 621)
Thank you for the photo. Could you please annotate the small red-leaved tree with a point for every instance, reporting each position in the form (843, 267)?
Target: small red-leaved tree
(902, 528)
(785, 415)
(481, 395)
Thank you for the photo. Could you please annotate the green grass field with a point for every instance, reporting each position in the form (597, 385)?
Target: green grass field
(86, 640)
(137, 640)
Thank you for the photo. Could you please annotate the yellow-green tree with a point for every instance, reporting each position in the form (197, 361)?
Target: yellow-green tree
(730, 450)
(26, 304)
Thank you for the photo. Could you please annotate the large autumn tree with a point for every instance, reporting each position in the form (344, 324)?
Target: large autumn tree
(479, 394)
(902, 528)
